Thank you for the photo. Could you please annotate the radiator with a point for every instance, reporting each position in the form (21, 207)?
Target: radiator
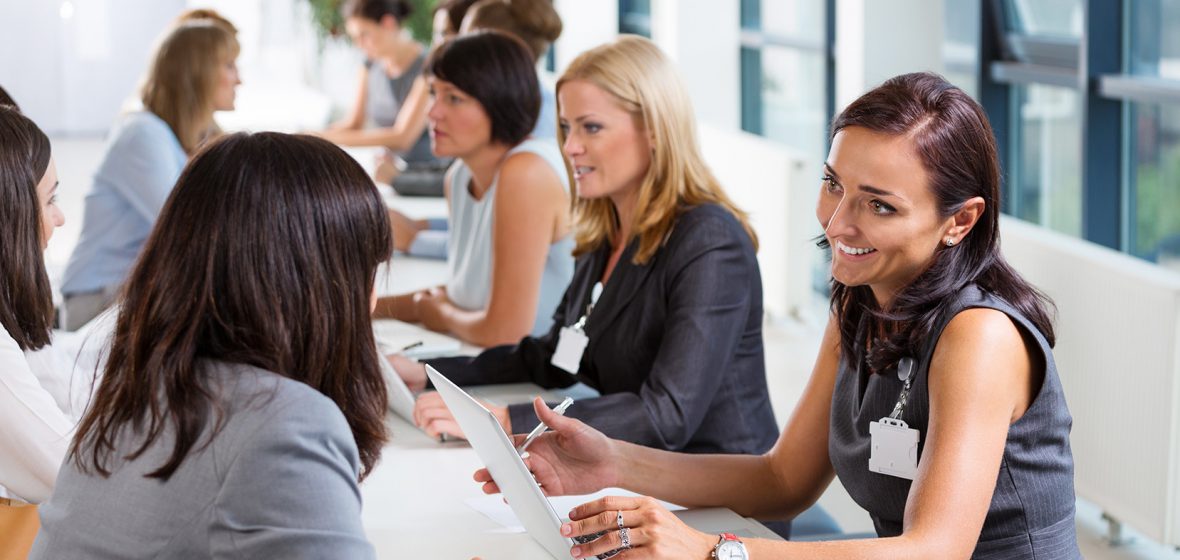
(779, 189)
(1118, 353)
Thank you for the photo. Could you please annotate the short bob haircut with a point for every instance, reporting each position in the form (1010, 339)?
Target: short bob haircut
(265, 254)
(26, 300)
(497, 70)
(644, 82)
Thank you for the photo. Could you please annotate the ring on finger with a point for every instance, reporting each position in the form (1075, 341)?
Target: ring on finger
(619, 520)
(625, 537)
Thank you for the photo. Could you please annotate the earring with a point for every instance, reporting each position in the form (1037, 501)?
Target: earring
(950, 242)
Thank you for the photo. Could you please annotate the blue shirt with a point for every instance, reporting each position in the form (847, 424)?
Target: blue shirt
(143, 159)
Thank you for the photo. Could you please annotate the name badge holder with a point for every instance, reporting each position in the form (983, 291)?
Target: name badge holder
(894, 445)
(572, 341)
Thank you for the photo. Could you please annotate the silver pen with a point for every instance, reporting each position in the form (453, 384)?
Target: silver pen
(540, 429)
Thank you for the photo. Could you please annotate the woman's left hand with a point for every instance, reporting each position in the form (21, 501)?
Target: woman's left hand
(430, 304)
(651, 530)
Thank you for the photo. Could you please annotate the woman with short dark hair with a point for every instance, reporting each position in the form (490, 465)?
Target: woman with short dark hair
(510, 254)
(242, 399)
(934, 398)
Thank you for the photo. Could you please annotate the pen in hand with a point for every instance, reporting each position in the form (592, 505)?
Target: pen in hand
(541, 428)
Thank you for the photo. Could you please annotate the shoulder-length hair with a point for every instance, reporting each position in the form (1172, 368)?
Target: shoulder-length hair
(644, 82)
(26, 299)
(183, 76)
(497, 70)
(264, 254)
(954, 141)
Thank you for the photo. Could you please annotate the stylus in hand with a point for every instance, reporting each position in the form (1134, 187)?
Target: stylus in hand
(540, 429)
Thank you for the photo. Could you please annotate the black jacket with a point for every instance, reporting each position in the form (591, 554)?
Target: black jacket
(675, 345)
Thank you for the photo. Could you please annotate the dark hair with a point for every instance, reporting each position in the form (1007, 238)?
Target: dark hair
(456, 10)
(497, 70)
(6, 99)
(374, 10)
(264, 254)
(957, 148)
(26, 300)
(534, 21)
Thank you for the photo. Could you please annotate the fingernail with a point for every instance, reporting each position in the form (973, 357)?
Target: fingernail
(524, 455)
(576, 552)
(565, 529)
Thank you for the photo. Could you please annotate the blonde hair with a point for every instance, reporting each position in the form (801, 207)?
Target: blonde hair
(645, 83)
(183, 77)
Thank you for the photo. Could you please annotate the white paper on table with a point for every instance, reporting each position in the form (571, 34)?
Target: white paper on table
(494, 508)
(394, 336)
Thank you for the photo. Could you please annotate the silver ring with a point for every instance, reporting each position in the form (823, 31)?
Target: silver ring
(625, 537)
(619, 520)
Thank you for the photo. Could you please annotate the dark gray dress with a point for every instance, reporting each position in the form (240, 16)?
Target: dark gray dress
(1032, 509)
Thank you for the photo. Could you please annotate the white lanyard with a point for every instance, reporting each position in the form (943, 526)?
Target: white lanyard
(572, 341)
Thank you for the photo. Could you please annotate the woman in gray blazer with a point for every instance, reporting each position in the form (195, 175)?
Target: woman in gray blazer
(242, 399)
(664, 311)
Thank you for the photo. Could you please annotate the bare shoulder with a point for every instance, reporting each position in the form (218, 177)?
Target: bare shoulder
(982, 352)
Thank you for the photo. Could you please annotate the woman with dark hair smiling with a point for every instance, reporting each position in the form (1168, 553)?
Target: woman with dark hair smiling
(934, 399)
(510, 253)
(242, 399)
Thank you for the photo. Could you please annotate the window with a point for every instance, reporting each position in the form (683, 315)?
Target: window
(1046, 185)
(635, 17)
(785, 72)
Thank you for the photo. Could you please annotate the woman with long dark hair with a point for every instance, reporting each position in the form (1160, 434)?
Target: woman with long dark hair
(242, 400)
(934, 399)
(35, 423)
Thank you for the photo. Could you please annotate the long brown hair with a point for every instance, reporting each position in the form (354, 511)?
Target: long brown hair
(645, 83)
(955, 143)
(264, 254)
(26, 300)
(183, 77)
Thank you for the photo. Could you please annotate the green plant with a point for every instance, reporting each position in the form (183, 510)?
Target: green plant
(325, 14)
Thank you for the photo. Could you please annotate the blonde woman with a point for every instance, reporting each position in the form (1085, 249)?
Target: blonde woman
(193, 74)
(666, 285)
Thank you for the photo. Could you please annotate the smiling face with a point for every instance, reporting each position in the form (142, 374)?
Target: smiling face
(51, 216)
(607, 146)
(879, 212)
(459, 125)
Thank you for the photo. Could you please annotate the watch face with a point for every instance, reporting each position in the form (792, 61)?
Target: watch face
(731, 550)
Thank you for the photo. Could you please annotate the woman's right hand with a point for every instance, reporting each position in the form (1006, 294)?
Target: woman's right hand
(413, 373)
(572, 458)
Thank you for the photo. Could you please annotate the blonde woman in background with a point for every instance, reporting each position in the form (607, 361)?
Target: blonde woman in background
(666, 260)
(192, 75)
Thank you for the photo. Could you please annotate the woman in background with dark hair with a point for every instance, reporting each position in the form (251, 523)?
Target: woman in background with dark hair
(510, 252)
(242, 399)
(934, 399)
(392, 72)
(6, 99)
(35, 423)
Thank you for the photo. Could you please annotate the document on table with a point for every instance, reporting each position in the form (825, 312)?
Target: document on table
(494, 508)
(411, 340)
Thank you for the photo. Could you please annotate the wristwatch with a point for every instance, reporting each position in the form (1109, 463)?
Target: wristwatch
(730, 548)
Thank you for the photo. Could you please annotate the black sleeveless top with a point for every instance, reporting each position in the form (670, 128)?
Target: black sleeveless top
(1031, 515)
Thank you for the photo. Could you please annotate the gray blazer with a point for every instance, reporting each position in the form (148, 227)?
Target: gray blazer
(278, 481)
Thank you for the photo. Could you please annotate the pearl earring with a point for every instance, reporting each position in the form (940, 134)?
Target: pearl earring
(950, 242)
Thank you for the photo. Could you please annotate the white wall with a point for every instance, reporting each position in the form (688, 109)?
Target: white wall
(877, 40)
(702, 37)
(71, 63)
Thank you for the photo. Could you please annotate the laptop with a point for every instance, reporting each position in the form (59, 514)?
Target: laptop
(523, 494)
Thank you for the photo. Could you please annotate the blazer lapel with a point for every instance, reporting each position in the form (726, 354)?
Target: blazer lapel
(625, 282)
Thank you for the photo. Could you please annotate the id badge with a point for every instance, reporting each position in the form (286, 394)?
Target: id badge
(894, 448)
(570, 346)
